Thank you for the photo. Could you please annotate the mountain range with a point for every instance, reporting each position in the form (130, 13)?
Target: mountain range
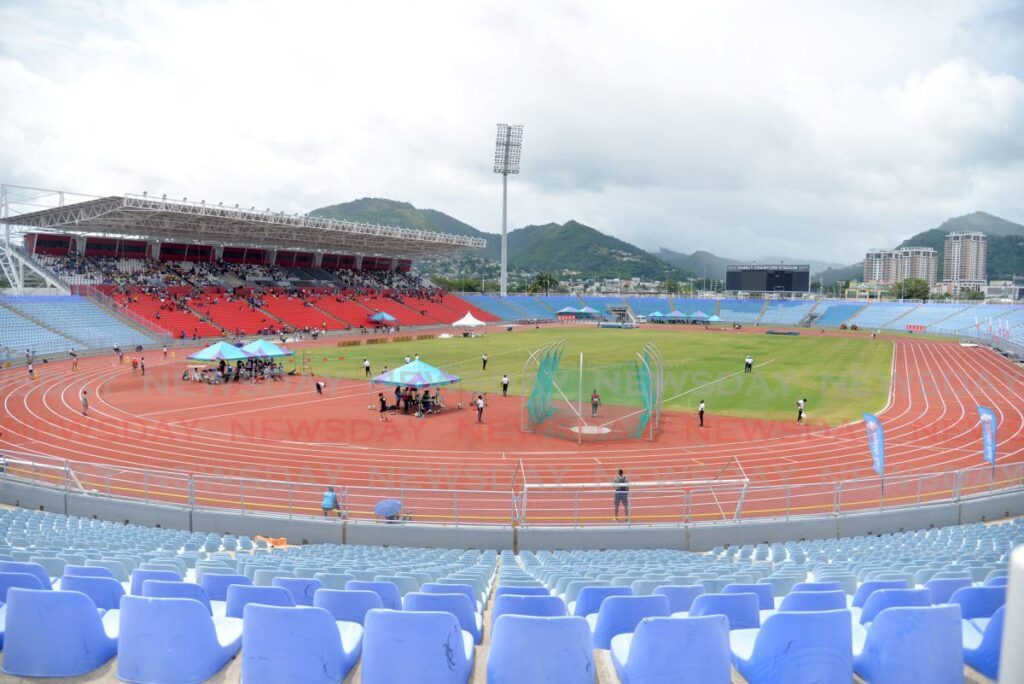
(573, 248)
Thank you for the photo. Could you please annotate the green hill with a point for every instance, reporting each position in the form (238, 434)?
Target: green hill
(1005, 242)
(573, 246)
(699, 263)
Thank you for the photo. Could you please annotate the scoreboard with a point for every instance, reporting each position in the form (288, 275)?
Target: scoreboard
(762, 278)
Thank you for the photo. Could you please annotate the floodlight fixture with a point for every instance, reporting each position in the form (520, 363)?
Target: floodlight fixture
(508, 149)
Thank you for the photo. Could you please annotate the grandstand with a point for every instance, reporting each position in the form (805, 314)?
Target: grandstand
(833, 314)
(786, 312)
(740, 310)
(881, 314)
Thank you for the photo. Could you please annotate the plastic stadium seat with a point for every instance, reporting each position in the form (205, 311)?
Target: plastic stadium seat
(409, 648)
(741, 609)
(264, 577)
(216, 586)
(655, 652)
(24, 580)
(817, 586)
(333, 580)
(347, 605)
(589, 599)
(781, 584)
(866, 588)
(158, 589)
(173, 640)
(803, 601)
(765, 594)
(680, 596)
(981, 649)
(979, 602)
(913, 644)
(404, 584)
(303, 644)
(87, 571)
(997, 581)
(521, 591)
(116, 567)
(105, 592)
(39, 620)
(54, 566)
(540, 650)
(537, 606)
(942, 589)
(29, 568)
(888, 598)
(240, 595)
(441, 588)
(390, 597)
(458, 605)
(302, 590)
(791, 648)
(621, 615)
(140, 576)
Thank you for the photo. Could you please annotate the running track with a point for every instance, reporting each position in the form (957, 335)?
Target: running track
(285, 433)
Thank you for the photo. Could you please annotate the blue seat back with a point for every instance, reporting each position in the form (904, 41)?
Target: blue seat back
(942, 589)
(741, 609)
(817, 586)
(540, 649)
(390, 597)
(302, 589)
(350, 605)
(140, 576)
(655, 654)
(105, 592)
(802, 647)
(680, 597)
(30, 569)
(802, 601)
(521, 591)
(287, 644)
(866, 588)
(538, 606)
(589, 599)
(216, 586)
(456, 604)
(401, 646)
(913, 644)
(888, 598)
(240, 595)
(9, 580)
(37, 620)
(621, 615)
(979, 602)
(441, 588)
(985, 658)
(87, 571)
(765, 593)
(184, 590)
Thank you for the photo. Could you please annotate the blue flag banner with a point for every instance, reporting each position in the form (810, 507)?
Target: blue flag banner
(876, 442)
(989, 421)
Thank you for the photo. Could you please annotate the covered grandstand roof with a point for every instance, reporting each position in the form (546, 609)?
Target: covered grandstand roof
(143, 216)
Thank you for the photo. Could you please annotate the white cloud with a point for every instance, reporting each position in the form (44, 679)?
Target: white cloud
(748, 129)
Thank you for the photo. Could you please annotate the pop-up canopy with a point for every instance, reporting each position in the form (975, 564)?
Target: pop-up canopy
(220, 351)
(415, 374)
(568, 310)
(383, 317)
(468, 321)
(264, 349)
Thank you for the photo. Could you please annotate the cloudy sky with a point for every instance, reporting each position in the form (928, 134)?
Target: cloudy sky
(805, 129)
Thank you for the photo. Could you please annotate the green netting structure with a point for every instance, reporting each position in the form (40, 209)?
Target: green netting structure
(571, 399)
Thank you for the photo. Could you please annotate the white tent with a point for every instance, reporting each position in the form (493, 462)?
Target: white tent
(468, 321)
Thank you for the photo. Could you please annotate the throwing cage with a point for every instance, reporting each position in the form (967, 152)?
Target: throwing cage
(560, 402)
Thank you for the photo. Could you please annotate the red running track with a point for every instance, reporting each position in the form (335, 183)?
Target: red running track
(145, 436)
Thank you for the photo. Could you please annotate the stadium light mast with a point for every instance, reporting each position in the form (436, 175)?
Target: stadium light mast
(507, 149)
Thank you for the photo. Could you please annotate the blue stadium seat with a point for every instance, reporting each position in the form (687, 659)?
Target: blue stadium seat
(301, 589)
(56, 634)
(458, 605)
(140, 576)
(621, 614)
(173, 639)
(866, 588)
(765, 594)
(297, 644)
(680, 597)
(589, 599)
(348, 605)
(555, 650)
(979, 602)
(105, 592)
(390, 597)
(888, 598)
(240, 595)
(24, 580)
(982, 648)
(521, 591)
(87, 571)
(159, 589)
(29, 568)
(216, 585)
(817, 586)
(537, 606)
(412, 647)
(942, 589)
(913, 644)
(796, 648)
(444, 588)
(741, 609)
(803, 601)
(674, 650)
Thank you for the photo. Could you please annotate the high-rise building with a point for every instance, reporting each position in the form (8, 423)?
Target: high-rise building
(964, 261)
(888, 266)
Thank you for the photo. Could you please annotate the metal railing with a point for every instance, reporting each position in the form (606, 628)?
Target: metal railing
(569, 504)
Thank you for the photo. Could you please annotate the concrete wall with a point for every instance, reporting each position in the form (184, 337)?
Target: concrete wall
(312, 530)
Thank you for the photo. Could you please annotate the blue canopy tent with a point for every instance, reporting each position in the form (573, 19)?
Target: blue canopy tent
(383, 317)
(714, 319)
(221, 351)
(568, 310)
(699, 316)
(655, 314)
(675, 316)
(416, 374)
(264, 349)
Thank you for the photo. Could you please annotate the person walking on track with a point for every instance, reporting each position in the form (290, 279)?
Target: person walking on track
(85, 403)
(595, 403)
(383, 407)
(504, 385)
(480, 409)
(142, 365)
(700, 412)
(621, 493)
(366, 367)
(801, 404)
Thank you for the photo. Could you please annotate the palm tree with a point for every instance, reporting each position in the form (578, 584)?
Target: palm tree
(543, 282)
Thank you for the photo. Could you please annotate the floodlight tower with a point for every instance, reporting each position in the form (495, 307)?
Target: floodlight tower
(507, 150)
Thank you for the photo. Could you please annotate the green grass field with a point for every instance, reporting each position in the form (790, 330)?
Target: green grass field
(841, 377)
